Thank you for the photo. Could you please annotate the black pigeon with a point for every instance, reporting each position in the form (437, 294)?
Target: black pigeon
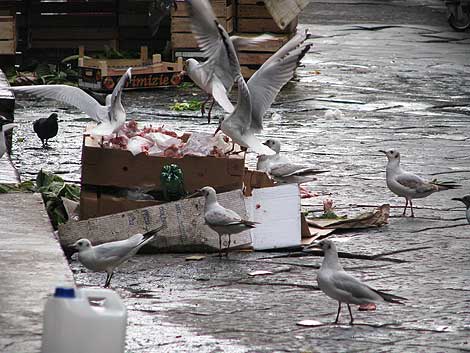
(46, 128)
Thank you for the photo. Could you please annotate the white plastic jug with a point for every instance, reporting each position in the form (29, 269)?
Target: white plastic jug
(73, 325)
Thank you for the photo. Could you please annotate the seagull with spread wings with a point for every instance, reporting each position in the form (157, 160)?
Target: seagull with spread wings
(110, 116)
(257, 95)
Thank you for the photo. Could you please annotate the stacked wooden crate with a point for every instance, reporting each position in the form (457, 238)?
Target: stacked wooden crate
(183, 42)
(254, 19)
(7, 35)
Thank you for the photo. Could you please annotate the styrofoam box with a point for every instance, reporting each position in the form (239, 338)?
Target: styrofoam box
(277, 209)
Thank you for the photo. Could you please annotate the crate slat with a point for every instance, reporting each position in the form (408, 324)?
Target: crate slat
(7, 47)
(183, 24)
(7, 27)
(262, 25)
(221, 9)
(253, 11)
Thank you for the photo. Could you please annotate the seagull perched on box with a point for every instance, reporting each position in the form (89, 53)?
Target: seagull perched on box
(408, 185)
(281, 169)
(337, 284)
(110, 116)
(4, 128)
(466, 200)
(221, 219)
(107, 256)
(46, 128)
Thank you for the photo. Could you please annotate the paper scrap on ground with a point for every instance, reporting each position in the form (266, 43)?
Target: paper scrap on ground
(309, 323)
(371, 219)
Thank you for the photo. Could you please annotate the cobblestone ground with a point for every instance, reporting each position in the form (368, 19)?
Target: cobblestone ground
(399, 76)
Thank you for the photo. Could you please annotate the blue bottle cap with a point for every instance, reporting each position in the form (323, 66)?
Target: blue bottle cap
(64, 292)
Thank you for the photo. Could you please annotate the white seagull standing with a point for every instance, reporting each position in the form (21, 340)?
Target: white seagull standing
(281, 169)
(110, 116)
(4, 128)
(256, 96)
(408, 185)
(107, 256)
(337, 284)
(221, 219)
(466, 200)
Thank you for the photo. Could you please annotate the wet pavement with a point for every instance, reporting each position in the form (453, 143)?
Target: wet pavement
(399, 76)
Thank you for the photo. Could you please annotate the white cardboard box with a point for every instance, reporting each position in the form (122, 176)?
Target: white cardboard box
(277, 209)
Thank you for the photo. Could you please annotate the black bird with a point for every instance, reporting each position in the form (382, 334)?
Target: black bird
(46, 128)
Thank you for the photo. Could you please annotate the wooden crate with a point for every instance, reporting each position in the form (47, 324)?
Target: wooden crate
(7, 35)
(181, 33)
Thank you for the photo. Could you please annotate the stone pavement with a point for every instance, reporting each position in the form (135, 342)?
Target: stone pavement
(399, 75)
(32, 264)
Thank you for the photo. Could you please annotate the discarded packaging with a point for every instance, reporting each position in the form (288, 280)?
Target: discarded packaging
(277, 209)
(110, 175)
(371, 219)
(185, 229)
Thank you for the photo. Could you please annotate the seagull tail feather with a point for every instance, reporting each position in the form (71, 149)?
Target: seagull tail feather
(391, 298)
(249, 224)
(446, 185)
(146, 237)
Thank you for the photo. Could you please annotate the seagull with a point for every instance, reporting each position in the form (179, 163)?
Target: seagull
(46, 128)
(337, 284)
(408, 185)
(4, 128)
(217, 74)
(256, 96)
(107, 256)
(110, 116)
(281, 169)
(466, 201)
(221, 219)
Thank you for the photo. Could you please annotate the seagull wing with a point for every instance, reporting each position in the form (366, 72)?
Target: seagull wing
(266, 83)
(353, 288)
(122, 249)
(215, 43)
(220, 216)
(243, 42)
(219, 92)
(70, 95)
(241, 116)
(118, 89)
(414, 182)
(289, 169)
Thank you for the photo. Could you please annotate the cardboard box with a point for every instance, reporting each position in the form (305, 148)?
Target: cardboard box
(185, 230)
(104, 167)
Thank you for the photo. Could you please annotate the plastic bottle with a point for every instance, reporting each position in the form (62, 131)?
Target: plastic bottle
(73, 325)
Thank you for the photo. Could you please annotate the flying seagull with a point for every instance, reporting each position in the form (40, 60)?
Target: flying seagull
(110, 116)
(221, 219)
(4, 128)
(466, 200)
(217, 74)
(46, 128)
(281, 169)
(408, 185)
(108, 256)
(257, 95)
(337, 284)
